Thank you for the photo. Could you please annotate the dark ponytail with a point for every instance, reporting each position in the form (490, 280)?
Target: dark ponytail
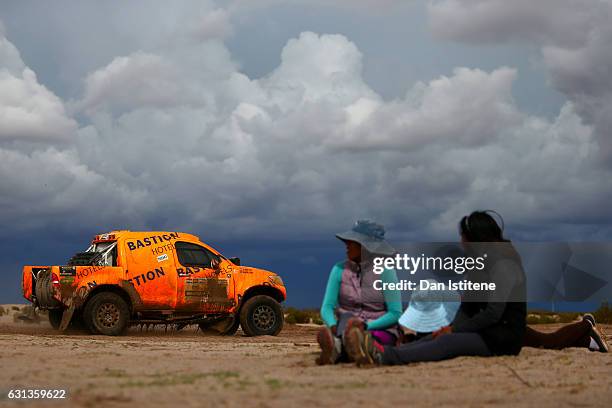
(480, 226)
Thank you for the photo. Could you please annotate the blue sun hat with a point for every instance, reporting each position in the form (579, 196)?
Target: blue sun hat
(370, 235)
(430, 310)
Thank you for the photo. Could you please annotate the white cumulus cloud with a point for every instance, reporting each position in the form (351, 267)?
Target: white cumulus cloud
(29, 112)
(178, 137)
(574, 38)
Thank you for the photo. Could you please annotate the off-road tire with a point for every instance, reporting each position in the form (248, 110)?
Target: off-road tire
(233, 328)
(107, 313)
(44, 290)
(261, 316)
(230, 331)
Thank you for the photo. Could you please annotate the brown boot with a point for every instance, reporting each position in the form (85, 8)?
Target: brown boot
(362, 348)
(329, 349)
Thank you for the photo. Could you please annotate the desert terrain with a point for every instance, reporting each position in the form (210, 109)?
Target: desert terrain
(190, 369)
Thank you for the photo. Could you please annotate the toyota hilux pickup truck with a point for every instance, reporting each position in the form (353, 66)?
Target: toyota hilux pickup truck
(149, 278)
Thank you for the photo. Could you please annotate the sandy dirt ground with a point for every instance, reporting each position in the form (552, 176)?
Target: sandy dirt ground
(190, 369)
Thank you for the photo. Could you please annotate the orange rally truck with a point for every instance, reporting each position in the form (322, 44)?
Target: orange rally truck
(126, 278)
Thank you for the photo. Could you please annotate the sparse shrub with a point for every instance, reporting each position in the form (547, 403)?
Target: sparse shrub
(545, 317)
(27, 314)
(317, 319)
(604, 313)
(541, 318)
(2, 311)
(294, 315)
(16, 308)
(28, 310)
(568, 317)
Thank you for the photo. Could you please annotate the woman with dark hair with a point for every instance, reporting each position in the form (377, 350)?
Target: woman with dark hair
(350, 299)
(429, 311)
(486, 325)
(480, 227)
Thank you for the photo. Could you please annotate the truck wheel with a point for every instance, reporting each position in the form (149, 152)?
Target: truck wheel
(107, 313)
(55, 317)
(78, 323)
(233, 328)
(221, 329)
(261, 316)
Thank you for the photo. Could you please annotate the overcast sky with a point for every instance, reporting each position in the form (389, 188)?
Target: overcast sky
(265, 127)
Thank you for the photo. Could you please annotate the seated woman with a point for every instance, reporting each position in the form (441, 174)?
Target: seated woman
(350, 299)
(429, 311)
(482, 327)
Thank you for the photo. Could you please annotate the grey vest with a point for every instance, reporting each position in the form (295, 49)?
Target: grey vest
(357, 294)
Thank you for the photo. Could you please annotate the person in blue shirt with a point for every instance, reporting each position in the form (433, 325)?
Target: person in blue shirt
(350, 297)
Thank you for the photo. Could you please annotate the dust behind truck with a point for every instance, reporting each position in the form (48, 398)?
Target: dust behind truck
(169, 278)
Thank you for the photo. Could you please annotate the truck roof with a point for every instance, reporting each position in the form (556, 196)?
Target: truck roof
(127, 234)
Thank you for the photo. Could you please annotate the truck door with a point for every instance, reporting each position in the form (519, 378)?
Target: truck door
(152, 274)
(201, 288)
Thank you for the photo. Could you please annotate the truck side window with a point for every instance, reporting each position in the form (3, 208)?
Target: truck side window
(194, 255)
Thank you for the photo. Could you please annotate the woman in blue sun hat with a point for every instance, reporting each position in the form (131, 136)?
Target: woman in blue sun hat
(350, 299)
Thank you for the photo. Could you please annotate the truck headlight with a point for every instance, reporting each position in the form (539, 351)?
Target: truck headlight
(276, 280)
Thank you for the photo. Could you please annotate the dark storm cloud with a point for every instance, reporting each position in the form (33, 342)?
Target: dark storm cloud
(173, 135)
(574, 38)
(180, 137)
